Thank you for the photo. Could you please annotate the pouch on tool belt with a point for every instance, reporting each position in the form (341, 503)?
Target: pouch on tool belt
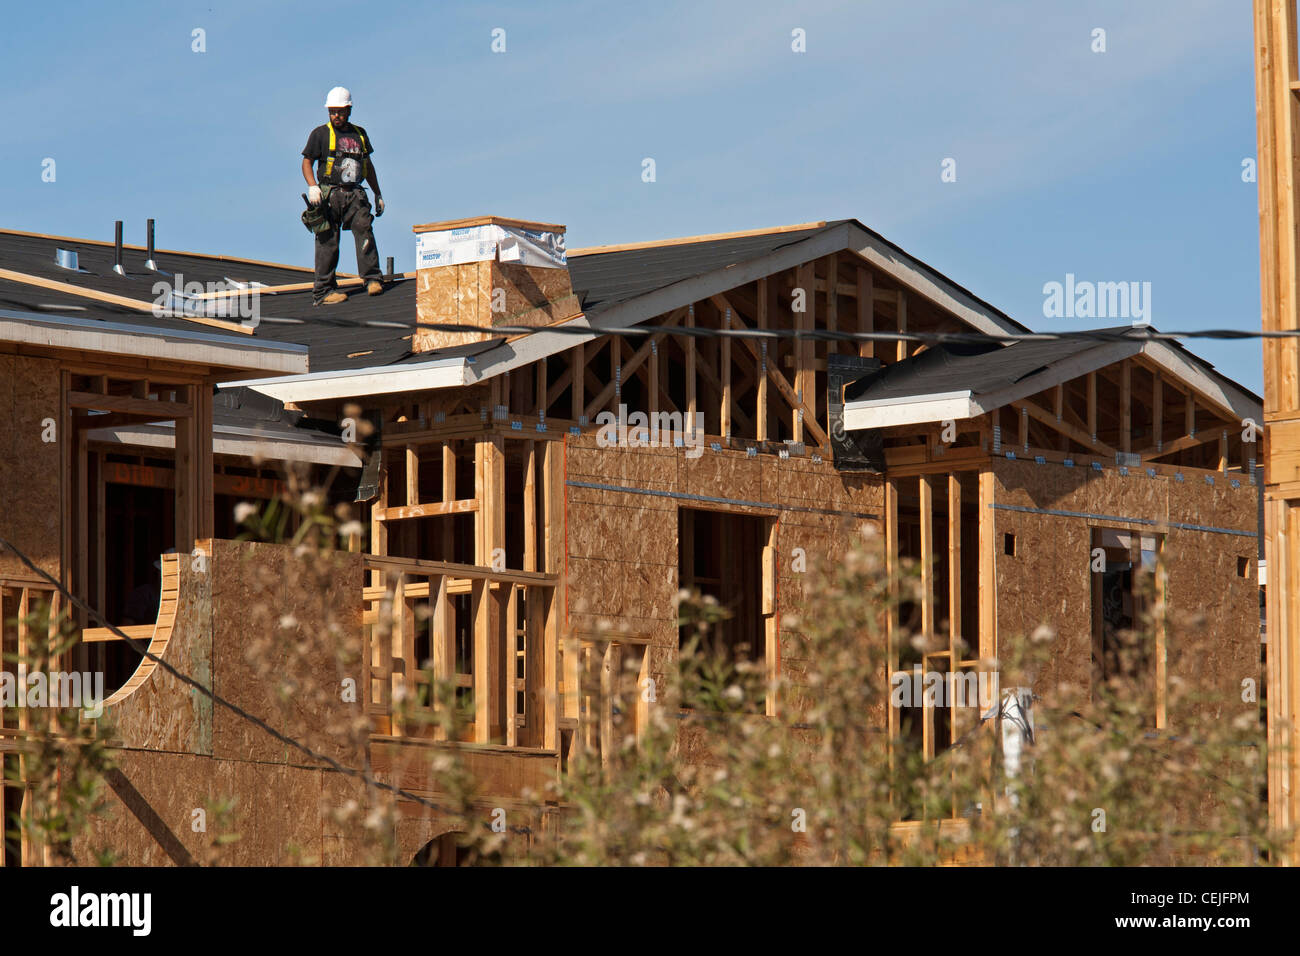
(316, 218)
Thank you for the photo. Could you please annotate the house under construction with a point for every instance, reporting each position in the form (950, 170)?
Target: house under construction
(531, 504)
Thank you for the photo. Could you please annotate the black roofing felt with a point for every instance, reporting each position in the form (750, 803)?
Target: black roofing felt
(335, 342)
(329, 341)
(979, 368)
(602, 280)
(242, 407)
(607, 278)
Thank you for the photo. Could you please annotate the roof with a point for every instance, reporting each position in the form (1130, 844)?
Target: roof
(977, 368)
(329, 341)
(605, 279)
(963, 381)
(619, 285)
(192, 344)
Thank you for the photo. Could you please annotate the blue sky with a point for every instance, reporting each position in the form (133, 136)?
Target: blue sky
(1117, 166)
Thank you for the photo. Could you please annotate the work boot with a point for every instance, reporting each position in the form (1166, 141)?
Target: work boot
(374, 288)
(334, 298)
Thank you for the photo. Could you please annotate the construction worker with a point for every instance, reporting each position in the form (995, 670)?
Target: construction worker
(341, 152)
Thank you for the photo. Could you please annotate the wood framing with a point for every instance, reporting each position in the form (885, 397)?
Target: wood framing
(1276, 82)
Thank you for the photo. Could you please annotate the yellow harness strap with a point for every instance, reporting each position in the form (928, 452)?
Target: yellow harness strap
(329, 163)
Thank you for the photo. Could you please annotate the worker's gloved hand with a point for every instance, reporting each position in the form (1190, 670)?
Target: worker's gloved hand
(313, 195)
(379, 206)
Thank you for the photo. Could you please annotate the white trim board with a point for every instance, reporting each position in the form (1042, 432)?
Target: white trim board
(352, 383)
(117, 338)
(228, 440)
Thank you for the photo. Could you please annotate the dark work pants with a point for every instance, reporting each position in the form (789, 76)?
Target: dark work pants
(349, 209)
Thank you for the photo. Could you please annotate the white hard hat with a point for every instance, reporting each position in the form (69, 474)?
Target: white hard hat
(338, 97)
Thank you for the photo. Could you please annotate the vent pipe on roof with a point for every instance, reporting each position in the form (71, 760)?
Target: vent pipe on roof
(117, 248)
(148, 262)
(66, 259)
(390, 269)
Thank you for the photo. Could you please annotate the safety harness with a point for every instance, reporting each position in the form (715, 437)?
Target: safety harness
(335, 152)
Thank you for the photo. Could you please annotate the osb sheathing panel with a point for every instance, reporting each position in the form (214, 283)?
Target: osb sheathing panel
(29, 466)
(463, 294)
(496, 773)
(1213, 629)
(623, 548)
(150, 813)
(527, 288)
(269, 607)
(727, 474)
(235, 625)
(642, 468)
(447, 295)
(164, 713)
(1213, 633)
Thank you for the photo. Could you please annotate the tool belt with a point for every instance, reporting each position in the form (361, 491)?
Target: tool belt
(317, 218)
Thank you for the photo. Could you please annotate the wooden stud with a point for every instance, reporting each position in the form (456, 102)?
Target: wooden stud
(988, 569)
(652, 373)
(891, 617)
(954, 571)
(447, 530)
(412, 476)
(1157, 409)
(530, 508)
(378, 530)
(761, 419)
(927, 557)
(805, 352)
(832, 303)
(724, 416)
(1092, 405)
(1162, 639)
(866, 312)
(101, 535)
(609, 667)
(770, 609)
(539, 371)
(487, 686)
(1189, 416)
(553, 523)
(187, 454)
(691, 385)
(510, 694)
(442, 634)
(616, 360)
(901, 352)
(1126, 407)
(82, 574)
(1223, 452)
(579, 366)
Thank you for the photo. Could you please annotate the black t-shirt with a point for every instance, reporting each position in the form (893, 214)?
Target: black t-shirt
(318, 150)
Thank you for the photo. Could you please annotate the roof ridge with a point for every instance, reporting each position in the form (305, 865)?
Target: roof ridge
(689, 240)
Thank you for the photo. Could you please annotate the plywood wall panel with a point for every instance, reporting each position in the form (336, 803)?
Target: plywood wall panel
(1213, 613)
(165, 713)
(29, 481)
